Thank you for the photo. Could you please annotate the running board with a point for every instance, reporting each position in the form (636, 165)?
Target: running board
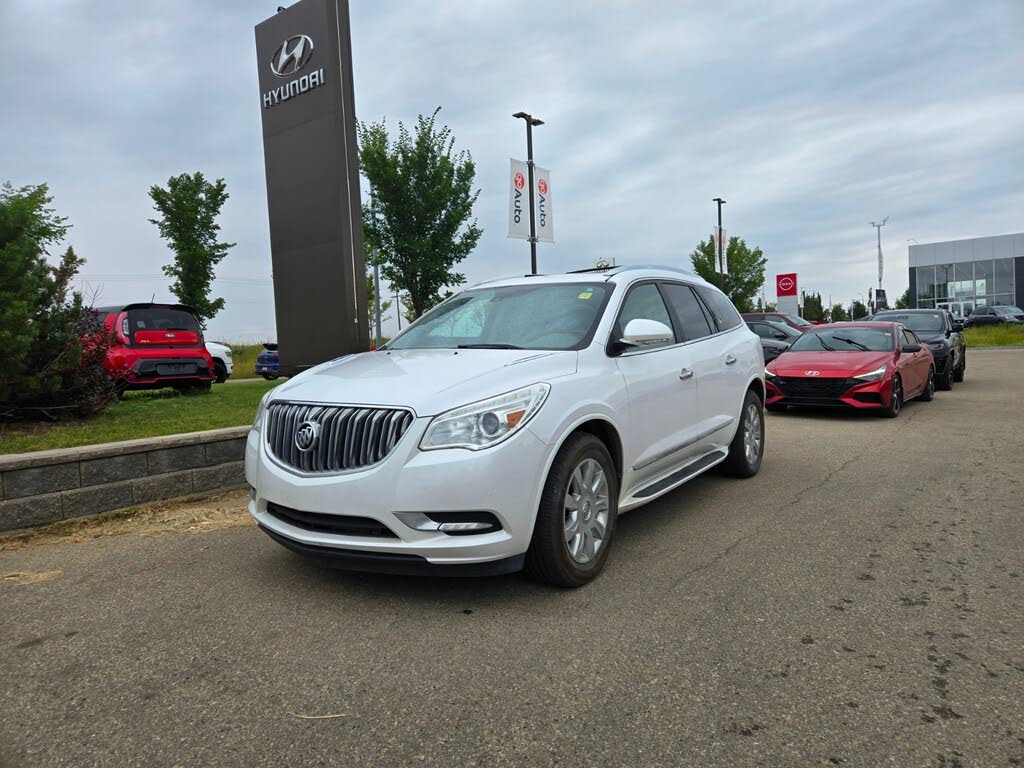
(681, 475)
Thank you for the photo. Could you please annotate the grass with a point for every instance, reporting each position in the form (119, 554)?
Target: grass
(1005, 335)
(142, 414)
(244, 356)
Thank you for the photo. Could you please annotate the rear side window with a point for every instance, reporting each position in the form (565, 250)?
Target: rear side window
(761, 330)
(688, 310)
(644, 302)
(724, 312)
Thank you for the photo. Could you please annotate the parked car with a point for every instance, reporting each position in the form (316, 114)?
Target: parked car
(793, 321)
(155, 346)
(222, 362)
(995, 315)
(775, 337)
(942, 332)
(268, 364)
(510, 426)
(863, 365)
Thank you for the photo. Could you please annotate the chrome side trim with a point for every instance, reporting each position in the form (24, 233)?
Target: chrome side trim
(686, 444)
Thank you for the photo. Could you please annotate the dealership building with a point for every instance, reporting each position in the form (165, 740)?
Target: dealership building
(960, 275)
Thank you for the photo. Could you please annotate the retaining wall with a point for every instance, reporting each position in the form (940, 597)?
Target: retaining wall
(46, 486)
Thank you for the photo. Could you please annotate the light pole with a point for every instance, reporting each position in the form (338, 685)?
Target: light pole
(718, 238)
(530, 122)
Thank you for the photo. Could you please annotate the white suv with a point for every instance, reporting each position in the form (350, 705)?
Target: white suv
(510, 426)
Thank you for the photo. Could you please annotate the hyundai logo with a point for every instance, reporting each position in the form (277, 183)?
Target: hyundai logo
(292, 56)
(307, 435)
(812, 373)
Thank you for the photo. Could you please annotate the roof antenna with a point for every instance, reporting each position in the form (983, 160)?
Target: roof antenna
(153, 299)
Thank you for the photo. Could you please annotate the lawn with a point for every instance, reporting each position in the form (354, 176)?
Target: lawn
(244, 356)
(142, 414)
(1004, 335)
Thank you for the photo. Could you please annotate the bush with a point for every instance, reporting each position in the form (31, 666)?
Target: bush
(51, 345)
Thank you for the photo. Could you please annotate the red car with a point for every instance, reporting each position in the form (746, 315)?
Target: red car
(156, 345)
(797, 323)
(876, 366)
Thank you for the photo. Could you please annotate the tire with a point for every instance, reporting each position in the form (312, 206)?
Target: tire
(220, 372)
(929, 388)
(747, 448)
(945, 381)
(896, 399)
(777, 408)
(960, 370)
(549, 559)
(271, 376)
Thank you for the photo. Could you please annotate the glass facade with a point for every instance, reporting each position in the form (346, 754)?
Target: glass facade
(974, 283)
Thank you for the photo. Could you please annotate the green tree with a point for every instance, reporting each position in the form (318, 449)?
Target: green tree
(188, 210)
(837, 314)
(51, 344)
(903, 302)
(421, 219)
(746, 270)
(858, 309)
(813, 309)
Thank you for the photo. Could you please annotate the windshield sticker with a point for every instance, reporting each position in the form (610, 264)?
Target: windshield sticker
(585, 295)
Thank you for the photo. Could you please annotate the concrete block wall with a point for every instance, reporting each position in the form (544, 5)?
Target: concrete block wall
(47, 486)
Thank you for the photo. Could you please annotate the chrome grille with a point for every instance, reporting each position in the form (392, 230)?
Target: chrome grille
(350, 436)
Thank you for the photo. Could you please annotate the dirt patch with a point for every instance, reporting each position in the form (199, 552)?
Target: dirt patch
(28, 577)
(211, 513)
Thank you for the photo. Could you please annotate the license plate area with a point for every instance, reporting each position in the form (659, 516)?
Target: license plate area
(176, 369)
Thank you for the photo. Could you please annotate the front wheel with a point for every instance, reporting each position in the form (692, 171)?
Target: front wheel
(895, 399)
(271, 376)
(747, 447)
(946, 379)
(577, 515)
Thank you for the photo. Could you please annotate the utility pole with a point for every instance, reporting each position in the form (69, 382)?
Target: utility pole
(376, 295)
(878, 228)
(719, 245)
(530, 122)
(398, 309)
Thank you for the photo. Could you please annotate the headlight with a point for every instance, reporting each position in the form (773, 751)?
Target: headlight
(481, 425)
(768, 374)
(875, 375)
(938, 345)
(261, 409)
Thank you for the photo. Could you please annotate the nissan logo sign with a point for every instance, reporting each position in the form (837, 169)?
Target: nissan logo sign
(307, 436)
(292, 56)
(786, 284)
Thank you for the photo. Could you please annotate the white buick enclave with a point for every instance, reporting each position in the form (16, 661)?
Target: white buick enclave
(510, 426)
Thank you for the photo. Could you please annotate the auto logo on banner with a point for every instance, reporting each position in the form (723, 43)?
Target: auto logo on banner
(785, 285)
(542, 205)
(518, 201)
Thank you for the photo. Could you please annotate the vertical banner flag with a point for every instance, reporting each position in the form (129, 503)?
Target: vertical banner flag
(721, 244)
(518, 201)
(542, 205)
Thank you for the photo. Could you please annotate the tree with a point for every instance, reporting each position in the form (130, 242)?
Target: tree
(858, 310)
(188, 210)
(903, 302)
(813, 309)
(746, 270)
(53, 345)
(837, 314)
(421, 216)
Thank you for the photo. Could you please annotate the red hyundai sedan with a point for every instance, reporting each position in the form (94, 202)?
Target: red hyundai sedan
(876, 366)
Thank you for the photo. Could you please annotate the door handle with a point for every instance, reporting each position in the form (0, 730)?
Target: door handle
(729, 359)
(685, 374)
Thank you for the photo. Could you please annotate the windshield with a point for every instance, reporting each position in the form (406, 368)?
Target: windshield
(925, 322)
(845, 340)
(545, 316)
(798, 320)
(1007, 310)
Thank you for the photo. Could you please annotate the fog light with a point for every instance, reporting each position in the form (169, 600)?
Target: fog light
(451, 523)
(464, 527)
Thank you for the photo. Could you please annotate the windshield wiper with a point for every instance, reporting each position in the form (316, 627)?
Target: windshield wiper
(488, 346)
(851, 342)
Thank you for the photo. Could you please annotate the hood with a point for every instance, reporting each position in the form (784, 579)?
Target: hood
(931, 337)
(430, 381)
(829, 364)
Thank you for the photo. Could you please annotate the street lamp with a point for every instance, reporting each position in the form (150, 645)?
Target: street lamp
(530, 122)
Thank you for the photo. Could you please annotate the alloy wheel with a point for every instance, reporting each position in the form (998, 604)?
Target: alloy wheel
(897, 394)
(752, 433)
(586, 511)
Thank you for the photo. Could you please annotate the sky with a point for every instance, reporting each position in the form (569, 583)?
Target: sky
(810, 119)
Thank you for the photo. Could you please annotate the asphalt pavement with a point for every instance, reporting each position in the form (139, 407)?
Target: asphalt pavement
(858, 603)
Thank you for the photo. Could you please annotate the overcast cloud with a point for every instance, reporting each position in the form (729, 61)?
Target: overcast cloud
(811, 119)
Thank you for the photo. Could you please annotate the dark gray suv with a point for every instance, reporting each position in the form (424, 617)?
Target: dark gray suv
(942, 333)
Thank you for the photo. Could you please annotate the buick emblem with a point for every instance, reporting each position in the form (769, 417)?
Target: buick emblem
(292, 56)
(812, 373)
(307, 435)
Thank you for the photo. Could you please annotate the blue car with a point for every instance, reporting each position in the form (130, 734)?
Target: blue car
(268, 364)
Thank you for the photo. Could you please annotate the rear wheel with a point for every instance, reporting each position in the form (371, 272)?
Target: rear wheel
(929, 388)
(945, 381)
(220, 372)
(577, 515)
(747, 447)
(895, 398)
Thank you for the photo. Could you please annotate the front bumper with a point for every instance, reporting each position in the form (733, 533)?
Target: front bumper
(828, 392)
(504, 481)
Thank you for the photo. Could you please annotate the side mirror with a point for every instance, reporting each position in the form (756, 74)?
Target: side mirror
(910, 349)
(646, 333)
(780, 336)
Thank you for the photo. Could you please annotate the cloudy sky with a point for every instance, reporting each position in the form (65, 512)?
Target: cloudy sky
(811, 119)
